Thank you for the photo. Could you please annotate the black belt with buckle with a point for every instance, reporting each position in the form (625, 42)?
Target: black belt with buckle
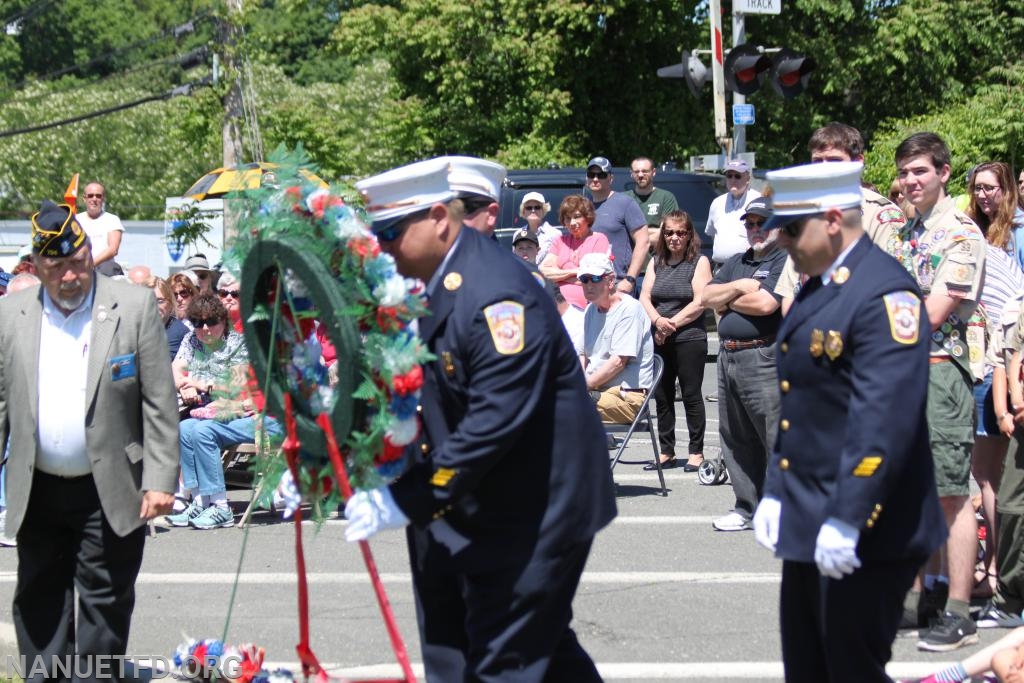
(741, 344)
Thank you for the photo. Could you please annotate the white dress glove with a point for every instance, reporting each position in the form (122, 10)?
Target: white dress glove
(766, 522)
(371, 511)
(836, 549)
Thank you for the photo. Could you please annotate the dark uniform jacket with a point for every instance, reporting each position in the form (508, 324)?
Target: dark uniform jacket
(853, 440)
(515, 459)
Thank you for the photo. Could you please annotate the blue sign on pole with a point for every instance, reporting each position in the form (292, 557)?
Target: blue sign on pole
(742, 114)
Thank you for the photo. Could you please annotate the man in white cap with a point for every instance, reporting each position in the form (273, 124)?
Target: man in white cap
(725, 223)
(849, 502)
(618, 349)
(511, 481)
(477, 184)
(198, 268)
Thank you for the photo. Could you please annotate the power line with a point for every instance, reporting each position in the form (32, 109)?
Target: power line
(186, 61)
(181, 90)
(176, 31)
(30, 12)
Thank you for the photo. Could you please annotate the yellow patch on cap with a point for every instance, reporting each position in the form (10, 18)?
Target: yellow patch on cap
(507, 322)
(442, 476)
(904, 311)
(867, 466)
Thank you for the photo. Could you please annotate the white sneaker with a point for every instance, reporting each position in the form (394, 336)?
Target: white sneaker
(733, 521)
(5, 540)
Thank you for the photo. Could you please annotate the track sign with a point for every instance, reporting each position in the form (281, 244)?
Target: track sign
(757, 6)
(745, 68)
(791, 72)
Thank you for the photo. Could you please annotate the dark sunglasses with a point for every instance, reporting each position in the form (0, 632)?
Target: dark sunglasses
(600, 175)
(533, 208)
(94, 196)
(201, 274)
(474, 204)
(200, 323)
(183, 294)
(734, 176)
(793, 229)
(233, 293)
(675, 233)
(591, 279)
(755, 224)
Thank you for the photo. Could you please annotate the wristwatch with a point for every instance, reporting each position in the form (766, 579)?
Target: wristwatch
(630, 279)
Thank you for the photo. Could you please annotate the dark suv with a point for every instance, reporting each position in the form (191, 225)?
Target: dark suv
(693, 191)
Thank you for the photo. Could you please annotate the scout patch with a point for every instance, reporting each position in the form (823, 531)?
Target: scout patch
(892, 215)
(834, 344)
(867, 466)
(442, 476)
(904, 311)
(507, 323)
(817, 343)
(452, 281)
(841, 275)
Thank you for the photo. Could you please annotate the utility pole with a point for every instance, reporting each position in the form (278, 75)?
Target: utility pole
(718, 78)
(739, 36)
(232, 129)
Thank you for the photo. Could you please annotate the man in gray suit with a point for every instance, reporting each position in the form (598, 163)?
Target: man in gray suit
(87, 401)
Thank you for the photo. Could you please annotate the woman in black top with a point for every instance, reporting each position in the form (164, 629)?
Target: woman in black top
(671, 295)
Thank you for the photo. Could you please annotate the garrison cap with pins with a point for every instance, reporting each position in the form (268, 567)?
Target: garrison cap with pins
(391, 196)
(811, 189)
(473, 176)
(56, 232)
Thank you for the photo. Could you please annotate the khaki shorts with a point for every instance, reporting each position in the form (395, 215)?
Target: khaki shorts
(619, 407)
(951, 414)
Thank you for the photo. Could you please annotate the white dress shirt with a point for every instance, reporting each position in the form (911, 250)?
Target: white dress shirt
(63, 366)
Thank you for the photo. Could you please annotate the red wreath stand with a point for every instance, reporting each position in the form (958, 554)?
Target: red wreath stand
(310, 665)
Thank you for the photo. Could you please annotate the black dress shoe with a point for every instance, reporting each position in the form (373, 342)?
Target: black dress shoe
(667, 465)
(687, 467)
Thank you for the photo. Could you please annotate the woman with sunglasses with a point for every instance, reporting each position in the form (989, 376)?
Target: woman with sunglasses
(534, 208)
(993, 206)
(212, 361)
(183, 290)
(176, 330)
(671, 295)
(562, 262)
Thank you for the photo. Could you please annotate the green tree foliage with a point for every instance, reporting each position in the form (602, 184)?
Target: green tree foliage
(365, 85)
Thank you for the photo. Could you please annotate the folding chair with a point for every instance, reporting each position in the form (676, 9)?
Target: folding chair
(643, 421)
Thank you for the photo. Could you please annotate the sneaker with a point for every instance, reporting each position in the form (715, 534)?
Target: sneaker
(733, 521)
(5, 540)
(185, 516)
(213, 517)
(949, 632)
(993, 617)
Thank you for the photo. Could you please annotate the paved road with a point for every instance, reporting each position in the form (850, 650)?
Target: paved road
(664, 597)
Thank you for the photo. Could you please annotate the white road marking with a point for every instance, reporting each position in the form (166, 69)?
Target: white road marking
(277, 578)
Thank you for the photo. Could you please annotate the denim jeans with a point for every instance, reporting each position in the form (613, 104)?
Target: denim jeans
(748, 419)
(202, 442)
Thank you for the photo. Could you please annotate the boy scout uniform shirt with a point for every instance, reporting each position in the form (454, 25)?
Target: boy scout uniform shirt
(948, 257)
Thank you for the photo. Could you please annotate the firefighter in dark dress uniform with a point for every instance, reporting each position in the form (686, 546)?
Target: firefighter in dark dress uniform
(512, 482)
(850, 503)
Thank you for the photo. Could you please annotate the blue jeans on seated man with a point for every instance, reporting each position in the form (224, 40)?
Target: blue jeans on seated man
(202, 442)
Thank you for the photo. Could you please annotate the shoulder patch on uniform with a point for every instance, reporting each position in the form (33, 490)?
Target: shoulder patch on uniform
(867, 466)
(891, 215)
(442, 476)
(904, 311)
(507, 322)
